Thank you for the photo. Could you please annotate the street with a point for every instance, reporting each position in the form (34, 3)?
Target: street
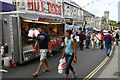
(30, 27)
(87, 61)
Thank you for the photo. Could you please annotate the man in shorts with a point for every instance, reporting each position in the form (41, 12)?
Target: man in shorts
(43, 40)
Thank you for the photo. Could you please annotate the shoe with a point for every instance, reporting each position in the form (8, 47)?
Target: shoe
(35, 75)
(108, 55)
(74, 76)
(47, 70)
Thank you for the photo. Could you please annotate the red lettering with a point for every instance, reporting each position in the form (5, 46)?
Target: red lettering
(39, 19)
(56, 9)
(63, 66)
(36, 5)
(30, 5)
(53, 8)
(52, 44)
(42, 6)
(49, 7)
(60, 10)
(71, 20)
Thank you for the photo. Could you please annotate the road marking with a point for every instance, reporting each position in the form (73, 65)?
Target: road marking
(99, 67)
(95, 69)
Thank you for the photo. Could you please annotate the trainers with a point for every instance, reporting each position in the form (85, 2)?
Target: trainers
(108, 55)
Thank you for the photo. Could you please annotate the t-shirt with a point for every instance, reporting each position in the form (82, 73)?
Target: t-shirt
(98, 36)
(117, 36)
(81, 37)
(43, 40)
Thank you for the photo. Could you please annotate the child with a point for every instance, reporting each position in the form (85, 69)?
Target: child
(97, 42)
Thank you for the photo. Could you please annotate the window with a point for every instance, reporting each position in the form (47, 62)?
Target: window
(23, 3)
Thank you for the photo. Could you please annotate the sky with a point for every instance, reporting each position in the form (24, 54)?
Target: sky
(99, 6)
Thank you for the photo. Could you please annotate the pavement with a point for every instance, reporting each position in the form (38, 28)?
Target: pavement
(112, 69)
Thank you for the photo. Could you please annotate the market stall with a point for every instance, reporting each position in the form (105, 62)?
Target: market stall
(21, 30)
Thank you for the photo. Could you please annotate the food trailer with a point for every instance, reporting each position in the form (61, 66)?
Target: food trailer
(20, 30)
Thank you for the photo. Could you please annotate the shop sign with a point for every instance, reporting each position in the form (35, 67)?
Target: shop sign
(68, 20)
(50, 6)
(70, 11)
(78, 19)
(50, 19)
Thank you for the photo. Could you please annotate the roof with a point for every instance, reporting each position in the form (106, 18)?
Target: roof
(72, 3)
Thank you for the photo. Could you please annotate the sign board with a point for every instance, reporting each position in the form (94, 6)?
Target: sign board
(45, 6)
(78, 19)
(71, 11)
(50, 20)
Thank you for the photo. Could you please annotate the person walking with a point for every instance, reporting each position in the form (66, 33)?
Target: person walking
(98, 39)
(69, 53)
(84, 42)
(77, 39)
(81, 38)
(117, 38)
(93, 40)
(72, 35)
(43, 41)
(108, 38)
(102, 39)
(87, 40)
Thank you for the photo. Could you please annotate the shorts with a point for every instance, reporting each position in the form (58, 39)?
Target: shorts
(43, 54)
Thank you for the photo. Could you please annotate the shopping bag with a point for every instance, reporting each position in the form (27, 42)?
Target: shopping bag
(61, 66)
(77, 39)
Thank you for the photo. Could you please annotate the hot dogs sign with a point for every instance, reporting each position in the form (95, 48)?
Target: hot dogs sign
(46, 6)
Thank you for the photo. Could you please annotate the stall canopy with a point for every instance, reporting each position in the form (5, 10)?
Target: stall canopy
(72, 27)
(91, 29)
(41, 18)
(97, 29)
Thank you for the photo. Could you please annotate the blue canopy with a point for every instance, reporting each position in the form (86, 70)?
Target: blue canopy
(90, 29)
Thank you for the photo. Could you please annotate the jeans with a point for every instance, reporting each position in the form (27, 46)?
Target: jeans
(116, 41)
(108, 48)
(87, 43)
(102, 44)
(81, 45)
(69, 59)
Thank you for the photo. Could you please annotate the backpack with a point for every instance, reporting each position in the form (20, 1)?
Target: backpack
(107, 39)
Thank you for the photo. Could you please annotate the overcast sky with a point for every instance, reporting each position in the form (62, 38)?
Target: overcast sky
(99, 6)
